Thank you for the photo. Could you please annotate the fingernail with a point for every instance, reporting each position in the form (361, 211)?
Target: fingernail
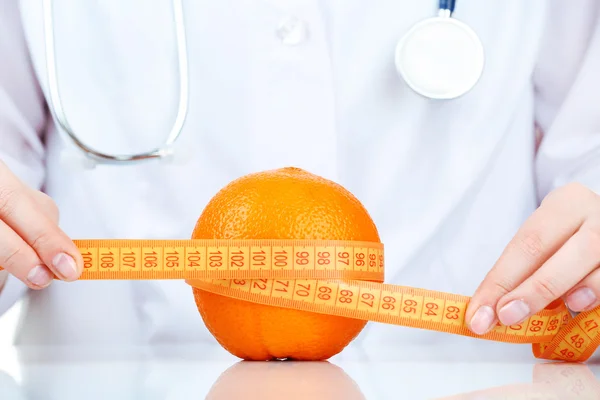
(40, 276)
(483, 320)
(65, 265)
(513, 313)
(581, 299)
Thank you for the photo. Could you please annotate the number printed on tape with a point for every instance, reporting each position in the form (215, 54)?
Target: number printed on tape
(412, 306)
(326, 293)
(347, 296)
(296, 273)
(304, 290)
(304, 258)
(391, 303)
(262, 286)
(324, 258)
(195, 258)
(360, 258)
(107, 259)
(90, 259)
(260, 258)
(368, 300)
(344, 258)
(283, 288)
(537, 326)
(216, 258)
(173, 259)
(433, 310)
(454, 313)
(241, 284)
(239, 259)
(282, 257)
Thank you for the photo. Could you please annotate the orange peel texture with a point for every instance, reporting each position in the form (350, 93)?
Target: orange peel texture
(287, 203)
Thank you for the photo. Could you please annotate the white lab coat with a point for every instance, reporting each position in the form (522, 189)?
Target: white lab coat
(447, 182)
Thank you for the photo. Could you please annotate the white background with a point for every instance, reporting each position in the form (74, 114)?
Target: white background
(8, 323)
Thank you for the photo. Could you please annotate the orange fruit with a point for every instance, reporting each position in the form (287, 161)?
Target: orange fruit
(287, 203)
(293, 381)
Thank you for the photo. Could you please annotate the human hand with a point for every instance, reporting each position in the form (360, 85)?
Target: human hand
(555, 254)
(32, 246)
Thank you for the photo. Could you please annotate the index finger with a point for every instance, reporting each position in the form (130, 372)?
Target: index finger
(22, 214)
(542, 234)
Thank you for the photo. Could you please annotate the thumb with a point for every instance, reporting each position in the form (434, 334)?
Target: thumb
(480, 315)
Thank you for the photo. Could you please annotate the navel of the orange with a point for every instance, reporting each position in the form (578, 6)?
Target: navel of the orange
(287, 203)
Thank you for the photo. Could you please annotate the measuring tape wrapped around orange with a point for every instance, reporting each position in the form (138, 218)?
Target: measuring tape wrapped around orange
(342, 278)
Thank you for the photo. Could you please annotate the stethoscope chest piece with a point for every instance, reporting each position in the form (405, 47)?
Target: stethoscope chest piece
(440, 58)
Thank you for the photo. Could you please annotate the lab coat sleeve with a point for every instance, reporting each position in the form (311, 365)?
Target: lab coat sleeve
(567, 87)
(22, 118)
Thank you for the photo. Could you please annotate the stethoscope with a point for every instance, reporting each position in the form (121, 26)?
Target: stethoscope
(439, 58)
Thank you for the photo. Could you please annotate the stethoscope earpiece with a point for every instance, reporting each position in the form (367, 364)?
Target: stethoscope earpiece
(440, 57)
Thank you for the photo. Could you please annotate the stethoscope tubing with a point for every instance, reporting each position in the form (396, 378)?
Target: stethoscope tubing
(447, 5)
(61, 117)
(93, 156)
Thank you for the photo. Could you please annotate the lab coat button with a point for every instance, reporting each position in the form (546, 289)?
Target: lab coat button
(292, 31)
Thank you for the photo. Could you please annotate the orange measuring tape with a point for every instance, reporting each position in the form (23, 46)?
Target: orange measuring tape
(343, 278)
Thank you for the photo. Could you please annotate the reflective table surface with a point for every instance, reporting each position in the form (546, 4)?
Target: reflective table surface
(208, 372)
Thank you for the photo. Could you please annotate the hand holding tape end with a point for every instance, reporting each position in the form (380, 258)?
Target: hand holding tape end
(341, 278)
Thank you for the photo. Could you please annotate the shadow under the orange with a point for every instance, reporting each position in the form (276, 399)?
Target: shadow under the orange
(251, 380)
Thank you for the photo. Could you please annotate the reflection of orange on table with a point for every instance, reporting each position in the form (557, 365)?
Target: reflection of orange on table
(284, 380)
